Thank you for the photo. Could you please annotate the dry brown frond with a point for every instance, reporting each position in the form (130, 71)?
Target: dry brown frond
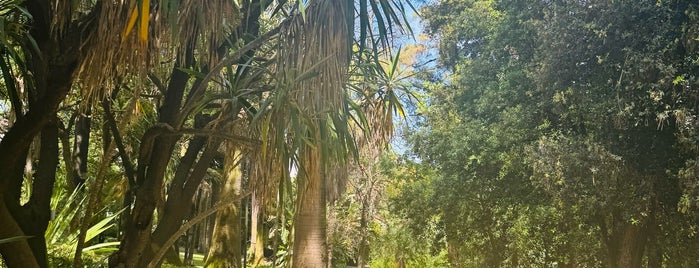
(108, 57)
(315, 53)
(312, 69)
(174, 26)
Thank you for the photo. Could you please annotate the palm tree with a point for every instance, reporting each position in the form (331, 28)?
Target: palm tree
(70, 41)
(313, 110)
(225, 250)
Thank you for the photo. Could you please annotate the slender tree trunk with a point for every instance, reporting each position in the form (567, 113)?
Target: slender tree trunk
(331, 233)
(39, 205)
(653, 248)
(310, 222)
(363, 254)
(400, 263)
(188, 247)
(453, 252)
(93, 202)
(226, 245)
(257, 232)
(180, 197)
(64, 137)
(129, 169)
(366, 199)
(80, 149)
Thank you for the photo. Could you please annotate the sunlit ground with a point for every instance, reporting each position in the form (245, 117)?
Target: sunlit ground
(197, 261)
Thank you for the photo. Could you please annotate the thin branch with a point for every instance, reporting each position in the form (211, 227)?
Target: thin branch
(125, 160)
(189, 224)
(166, 129)
(212, 133)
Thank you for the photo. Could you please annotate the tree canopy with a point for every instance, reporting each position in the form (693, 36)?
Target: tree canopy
(560, 135)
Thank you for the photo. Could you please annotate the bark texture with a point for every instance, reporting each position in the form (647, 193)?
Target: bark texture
(226, 245)
(257, 231)
(310, 221)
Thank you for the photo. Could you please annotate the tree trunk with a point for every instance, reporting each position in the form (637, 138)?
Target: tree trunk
(18, 253)
(310, 223)
(80, 149)
(129, 169)
(180, 197)
(52, 66)
(366, 199)
(453, 251)
(33, 217)
(39, 206)
(628, 246)
(654, 250)
(154, 154)
(257, 232)
(331, 233)
(226, 245)
(363, 251)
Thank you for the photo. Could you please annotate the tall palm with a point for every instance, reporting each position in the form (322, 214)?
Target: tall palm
(311, 113)
(225, 250)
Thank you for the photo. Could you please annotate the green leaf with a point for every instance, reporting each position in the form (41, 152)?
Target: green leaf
(103, 247)
(302, 8)
(101, 226)
(14, 239)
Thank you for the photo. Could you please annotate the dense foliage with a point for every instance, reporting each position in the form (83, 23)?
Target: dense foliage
(563, 132)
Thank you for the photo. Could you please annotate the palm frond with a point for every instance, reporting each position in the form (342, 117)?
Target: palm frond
(166, 29)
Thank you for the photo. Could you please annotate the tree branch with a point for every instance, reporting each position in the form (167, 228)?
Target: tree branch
(198, 92)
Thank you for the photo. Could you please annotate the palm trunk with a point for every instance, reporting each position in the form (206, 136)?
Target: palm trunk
(309, 222)
(257, 232)
(226, 245)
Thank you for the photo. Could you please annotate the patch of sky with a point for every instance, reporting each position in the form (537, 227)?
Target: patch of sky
(424, 61)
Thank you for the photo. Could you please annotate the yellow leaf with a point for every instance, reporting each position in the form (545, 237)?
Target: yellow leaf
(145, 15)
(129, 26)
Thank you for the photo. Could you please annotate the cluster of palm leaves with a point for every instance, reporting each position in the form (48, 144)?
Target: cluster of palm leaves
(294, 84)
